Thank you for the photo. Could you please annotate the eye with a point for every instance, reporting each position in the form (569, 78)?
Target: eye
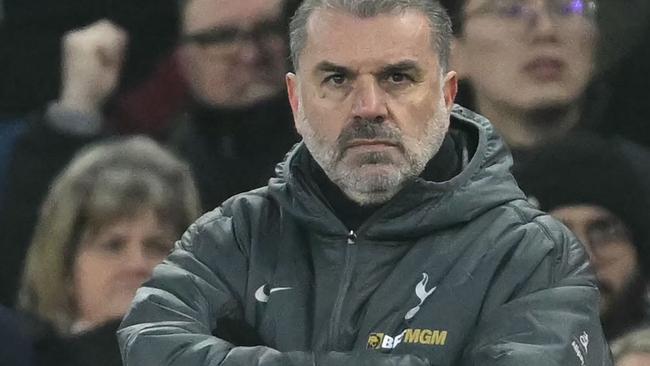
(398, 78)
(112, 245)
(512, 10)
(269, 29)
(607, 230)
(335, 79)
(572, 7)
(158, 247)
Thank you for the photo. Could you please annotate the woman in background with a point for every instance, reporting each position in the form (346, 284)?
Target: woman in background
(109, 218)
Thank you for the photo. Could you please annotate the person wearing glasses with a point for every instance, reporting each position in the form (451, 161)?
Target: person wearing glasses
(392, 235)
(234, 128)
(238, 125)
(589, 184)
(234, 52)
(526, 65)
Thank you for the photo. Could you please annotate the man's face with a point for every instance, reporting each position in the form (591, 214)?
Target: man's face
(234, 52)
(370, 100)
(525, 60)
(609, 245)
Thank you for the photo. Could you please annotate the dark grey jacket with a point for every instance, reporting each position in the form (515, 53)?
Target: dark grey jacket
(462, 272)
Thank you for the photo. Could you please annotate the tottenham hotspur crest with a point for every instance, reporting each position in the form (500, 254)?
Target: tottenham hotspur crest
(422, 294)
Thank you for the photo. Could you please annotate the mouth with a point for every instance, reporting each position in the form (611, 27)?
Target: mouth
(372, 143)
(545, 68)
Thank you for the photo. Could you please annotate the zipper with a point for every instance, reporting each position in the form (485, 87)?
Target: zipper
(335, 319)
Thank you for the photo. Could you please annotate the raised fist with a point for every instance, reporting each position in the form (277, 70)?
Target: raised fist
(91, 64)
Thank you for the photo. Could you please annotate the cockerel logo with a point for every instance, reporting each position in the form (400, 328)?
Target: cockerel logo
(422, 294)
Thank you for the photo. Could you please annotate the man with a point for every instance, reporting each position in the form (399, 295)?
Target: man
(527, 64)
(234, 55)
(393, 235)
(234, 52)
(607, 210)
(235, 129)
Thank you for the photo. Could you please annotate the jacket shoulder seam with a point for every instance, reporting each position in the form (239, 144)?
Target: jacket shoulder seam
(532, 220)
(545, 230)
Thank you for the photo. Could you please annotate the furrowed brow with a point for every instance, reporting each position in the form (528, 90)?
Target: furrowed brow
(403, 66)
(326, 66)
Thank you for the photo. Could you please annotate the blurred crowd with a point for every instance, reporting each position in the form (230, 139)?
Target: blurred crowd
(122, 121)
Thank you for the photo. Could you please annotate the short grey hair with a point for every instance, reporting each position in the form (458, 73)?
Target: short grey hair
(439, 21)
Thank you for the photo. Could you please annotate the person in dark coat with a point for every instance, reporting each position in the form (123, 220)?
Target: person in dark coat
(590, 184)
(109, 218)
(231, 133)
(393, 234)
(16, 346)
(526, 66)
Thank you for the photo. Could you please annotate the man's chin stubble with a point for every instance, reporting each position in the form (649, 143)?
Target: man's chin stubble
(367, 189)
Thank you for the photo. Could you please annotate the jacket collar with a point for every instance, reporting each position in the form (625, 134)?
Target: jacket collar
(422, 206)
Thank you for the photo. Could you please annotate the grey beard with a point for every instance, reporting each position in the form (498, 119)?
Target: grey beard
(368, 191)
(374, 189)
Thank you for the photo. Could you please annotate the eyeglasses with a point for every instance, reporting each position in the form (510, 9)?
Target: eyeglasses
(261, 34)
(527, 9)
(606, 231)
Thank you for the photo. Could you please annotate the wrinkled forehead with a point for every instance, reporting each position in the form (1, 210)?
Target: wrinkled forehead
(203, 14)
(343, 38)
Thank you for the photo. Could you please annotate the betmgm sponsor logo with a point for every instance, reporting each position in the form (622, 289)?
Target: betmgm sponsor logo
(408, 336)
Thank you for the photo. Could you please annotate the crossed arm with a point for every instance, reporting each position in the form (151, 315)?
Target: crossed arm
(175, 314)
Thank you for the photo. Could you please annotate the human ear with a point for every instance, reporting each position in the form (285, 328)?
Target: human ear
(294, 99)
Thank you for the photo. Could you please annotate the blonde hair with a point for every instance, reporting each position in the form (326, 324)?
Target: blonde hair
(104, 182)
(637, 341)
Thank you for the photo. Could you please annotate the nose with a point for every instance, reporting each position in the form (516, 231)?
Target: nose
(369, 100)
(250, 51)
(137, 262)
(543, 22)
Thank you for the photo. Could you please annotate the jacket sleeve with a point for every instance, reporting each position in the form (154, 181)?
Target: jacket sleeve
(174, 315)
(552, 317)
